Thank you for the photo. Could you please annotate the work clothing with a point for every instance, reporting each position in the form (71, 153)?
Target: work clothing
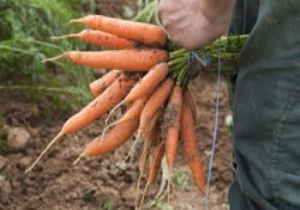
(266, 107)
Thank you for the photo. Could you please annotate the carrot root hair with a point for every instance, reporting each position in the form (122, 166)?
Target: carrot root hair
(75, 35)
(133, 146)
(112, 111)
(168, 189)
(79, 158)
(54, 58)
(165, 178)
(53, 141)
(144, 193)
(79, 20)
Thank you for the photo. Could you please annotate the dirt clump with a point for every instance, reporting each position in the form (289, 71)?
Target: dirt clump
(3, 162)
(17, 137)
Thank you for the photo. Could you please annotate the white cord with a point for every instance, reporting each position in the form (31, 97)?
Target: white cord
(215, 129)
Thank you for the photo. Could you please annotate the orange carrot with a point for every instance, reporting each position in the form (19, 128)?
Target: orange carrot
(190, 147)
(128, 60)
(150, 135)
(109, 98)
(173, 120)
(148, 83)
(146, 86)
(155, 102)
(99, 85)
(190, 101)
(100, 105)
(135, 109)
(158, 154)
(101, 39)
(118, 135)
(141, 32)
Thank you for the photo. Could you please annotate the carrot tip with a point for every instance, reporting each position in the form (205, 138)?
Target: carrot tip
(144, 193)
(56, 138)
(54, 58)
(56, 37)
(168, 189)
(79, 158)
(139, 135)
(79, 20)
(64, 36)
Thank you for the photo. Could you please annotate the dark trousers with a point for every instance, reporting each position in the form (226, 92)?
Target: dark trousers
(267, 111)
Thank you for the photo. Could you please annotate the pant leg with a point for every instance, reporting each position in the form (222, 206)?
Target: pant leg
(242, 21)
(238, 200)
(267, 112)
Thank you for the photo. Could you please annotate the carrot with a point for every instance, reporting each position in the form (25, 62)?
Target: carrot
(101, 38)
(157, 156)
(118, 135)
(146, 86)
(109, 98)
(128, 60)
(150, 135)
(190, 100)
(135, 109)
(190, 147)
(173, 120)
(148, 83)
(99, 85)
(141, 32)
(100, 105)
(126, 116)
(156, 100)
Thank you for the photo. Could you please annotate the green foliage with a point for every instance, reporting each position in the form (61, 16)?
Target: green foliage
(225, 206)
(26, 27)
(181, 180)
(160, 204)
(107, 205)
(148, 12)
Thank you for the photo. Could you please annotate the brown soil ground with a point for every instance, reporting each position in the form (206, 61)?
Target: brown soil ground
(106, 182)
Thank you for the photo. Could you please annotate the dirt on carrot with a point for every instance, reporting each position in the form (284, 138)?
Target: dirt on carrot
(169, 117)
(145, 33)
(100, 38)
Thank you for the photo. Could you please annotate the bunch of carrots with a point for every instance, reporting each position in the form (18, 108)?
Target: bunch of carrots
(151, 82)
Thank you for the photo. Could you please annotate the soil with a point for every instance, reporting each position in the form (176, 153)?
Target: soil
(107, 182)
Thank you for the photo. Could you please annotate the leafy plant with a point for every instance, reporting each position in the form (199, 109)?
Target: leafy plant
(181, 180)
(26, 28)
(107, 205)
(160, 205)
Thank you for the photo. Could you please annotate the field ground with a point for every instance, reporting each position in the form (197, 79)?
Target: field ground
(102, 183)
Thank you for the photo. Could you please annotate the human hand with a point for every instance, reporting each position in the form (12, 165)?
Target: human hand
(193, 24)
